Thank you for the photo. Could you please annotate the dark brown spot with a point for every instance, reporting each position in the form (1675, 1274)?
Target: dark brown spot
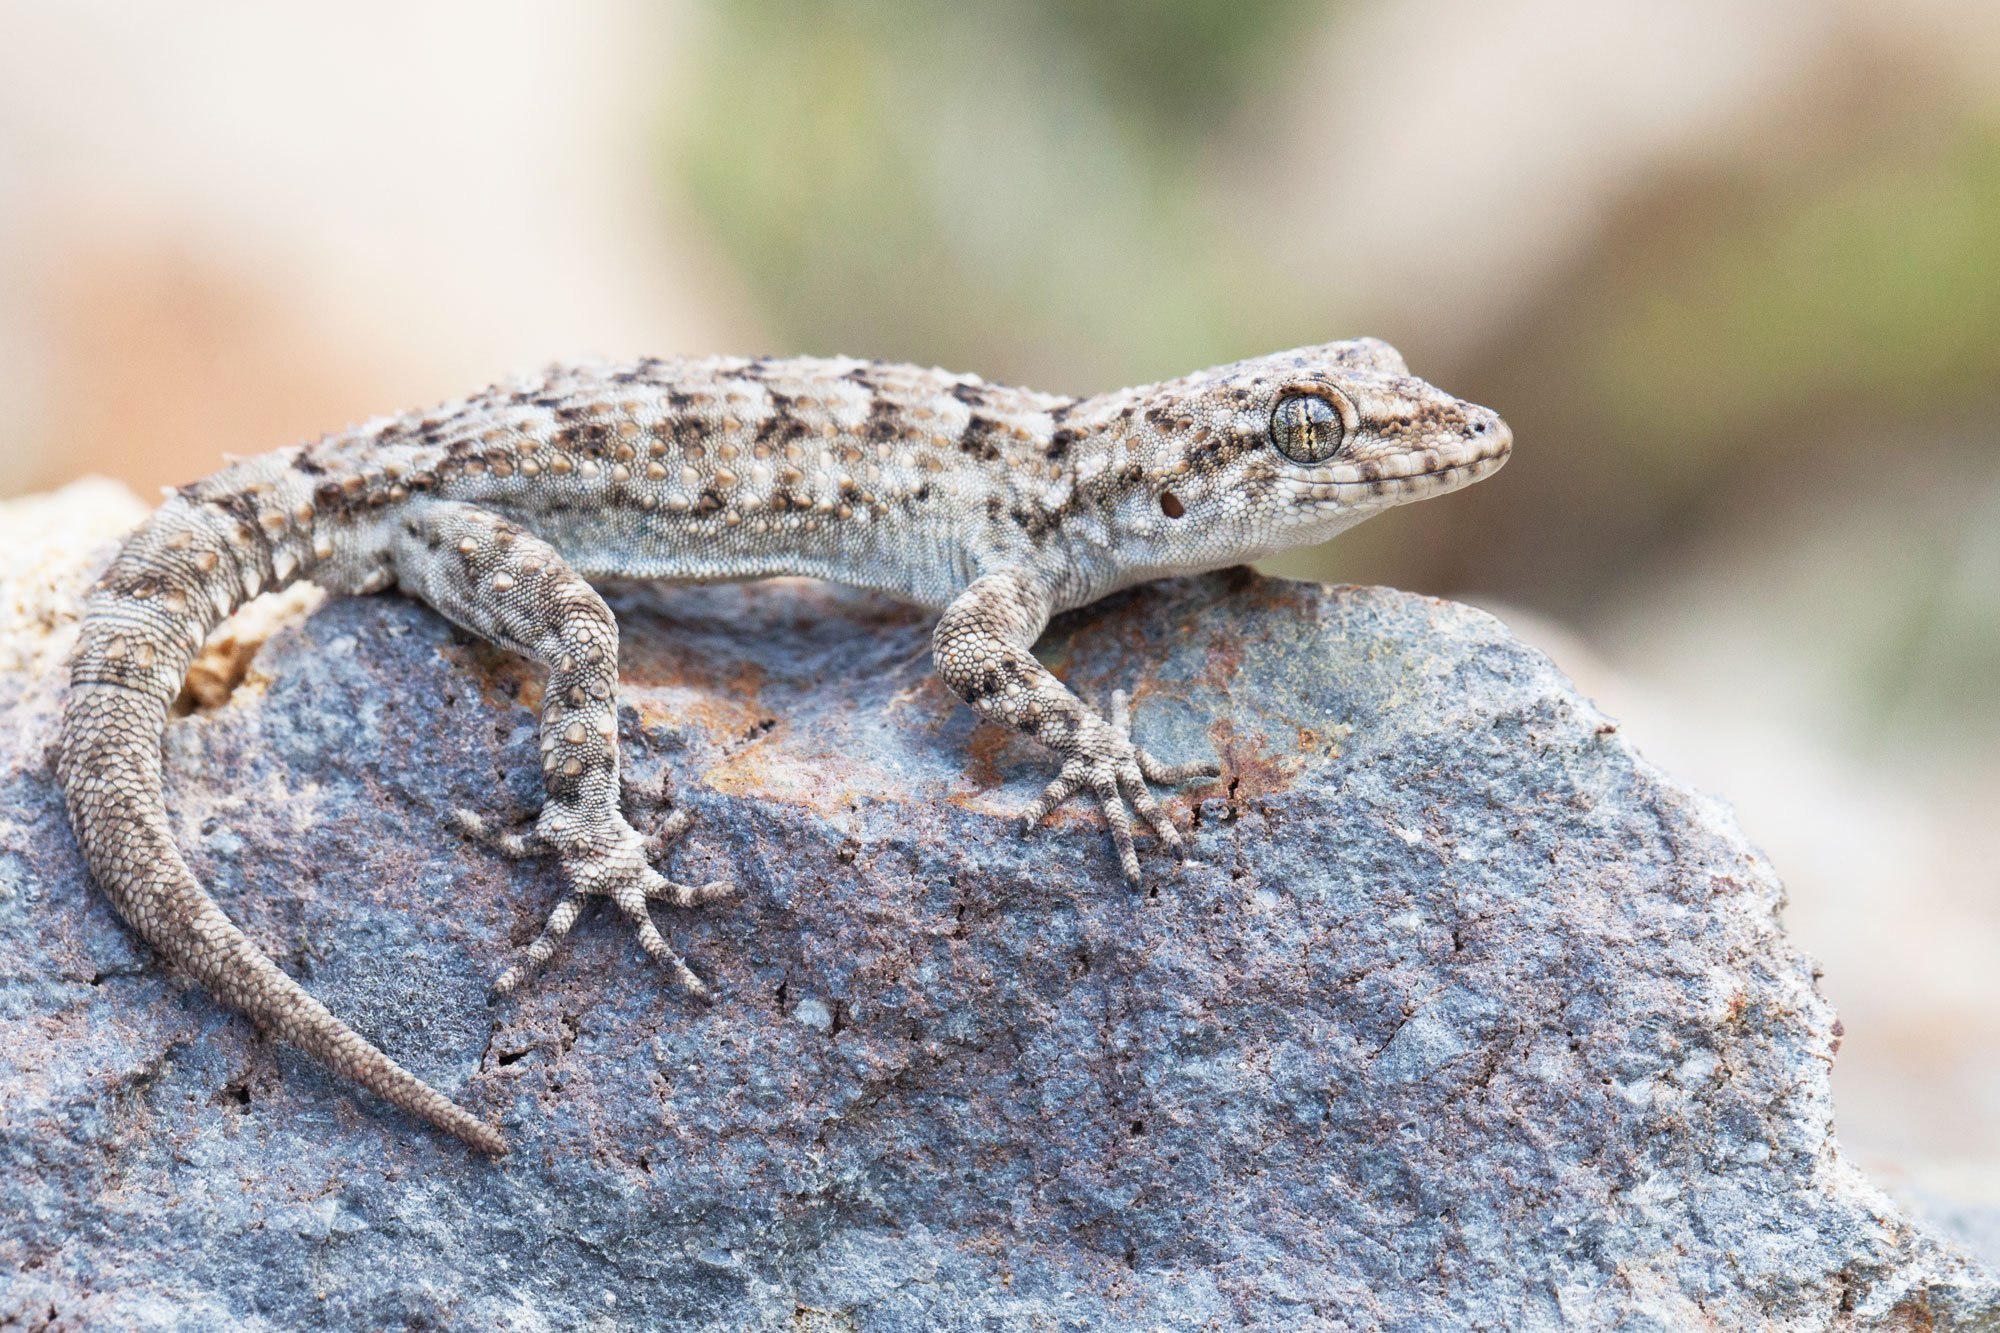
(884, 420)
(781, 428)
(1037, 522)
(979, 436)
(1170, 505)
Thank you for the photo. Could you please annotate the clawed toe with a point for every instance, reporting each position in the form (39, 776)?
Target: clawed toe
(1066, 785)
(1133, 788)
(519, 845)
(631, 899)
(1117, 772)
(676, 823)
(1172, 775)
(689, 895)
(536, 954)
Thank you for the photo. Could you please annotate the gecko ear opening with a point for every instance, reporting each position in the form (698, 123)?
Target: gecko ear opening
(1170, 505)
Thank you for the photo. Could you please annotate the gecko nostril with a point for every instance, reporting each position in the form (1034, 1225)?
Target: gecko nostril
(1479, 427)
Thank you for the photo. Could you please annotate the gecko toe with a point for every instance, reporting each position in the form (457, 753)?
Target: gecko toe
(666, 833)
(1133, 786)
(1173, 775)
(1112, 802)
(662, 889)
(517, 845)
(1067, 784)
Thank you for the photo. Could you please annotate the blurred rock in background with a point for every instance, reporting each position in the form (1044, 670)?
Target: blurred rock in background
(1732, 273)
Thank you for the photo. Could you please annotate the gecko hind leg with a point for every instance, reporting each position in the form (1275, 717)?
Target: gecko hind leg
(514, 589)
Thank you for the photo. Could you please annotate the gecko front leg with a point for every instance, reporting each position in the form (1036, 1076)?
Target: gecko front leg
(509, 586)
(981, 648)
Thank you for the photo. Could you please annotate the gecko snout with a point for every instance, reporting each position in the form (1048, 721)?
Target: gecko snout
(1486, 435)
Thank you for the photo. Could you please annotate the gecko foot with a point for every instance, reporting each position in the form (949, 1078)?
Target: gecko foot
(1104, 761)
(606, 858)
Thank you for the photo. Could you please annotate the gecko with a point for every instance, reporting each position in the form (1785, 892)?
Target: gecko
(997, 507)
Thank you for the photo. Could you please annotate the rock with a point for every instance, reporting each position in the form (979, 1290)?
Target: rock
(1467, 1017)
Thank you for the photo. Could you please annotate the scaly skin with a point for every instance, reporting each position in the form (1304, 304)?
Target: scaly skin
(999, 506)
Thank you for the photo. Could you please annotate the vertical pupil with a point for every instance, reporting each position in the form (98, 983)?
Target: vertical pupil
(1297, 423)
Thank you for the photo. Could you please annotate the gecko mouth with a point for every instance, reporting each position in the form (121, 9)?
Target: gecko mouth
(1435, 481)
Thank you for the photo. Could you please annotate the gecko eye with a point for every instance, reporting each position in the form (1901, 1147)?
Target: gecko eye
(1306, 428)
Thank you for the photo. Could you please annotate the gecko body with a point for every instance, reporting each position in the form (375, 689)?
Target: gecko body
(998, 506)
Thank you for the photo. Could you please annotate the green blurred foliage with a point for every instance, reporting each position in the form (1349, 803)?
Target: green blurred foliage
(1808, 359)
(1015, 188)
(1730, 340)
(1179, 64)
(1877, 286)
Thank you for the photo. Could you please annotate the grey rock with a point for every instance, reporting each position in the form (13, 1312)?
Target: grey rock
(1467, 1017)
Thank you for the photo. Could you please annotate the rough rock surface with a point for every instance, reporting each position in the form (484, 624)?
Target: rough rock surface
(1468, 1017)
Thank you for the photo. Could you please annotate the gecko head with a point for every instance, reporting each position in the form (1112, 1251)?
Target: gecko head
(1242, 460)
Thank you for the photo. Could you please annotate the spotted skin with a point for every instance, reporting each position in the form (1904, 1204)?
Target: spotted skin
(997, 506)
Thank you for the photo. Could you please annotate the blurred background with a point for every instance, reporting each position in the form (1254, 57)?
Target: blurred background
(1732, 272)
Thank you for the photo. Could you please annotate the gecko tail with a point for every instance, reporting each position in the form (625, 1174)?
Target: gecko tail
(110, 771)
(143, 623)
